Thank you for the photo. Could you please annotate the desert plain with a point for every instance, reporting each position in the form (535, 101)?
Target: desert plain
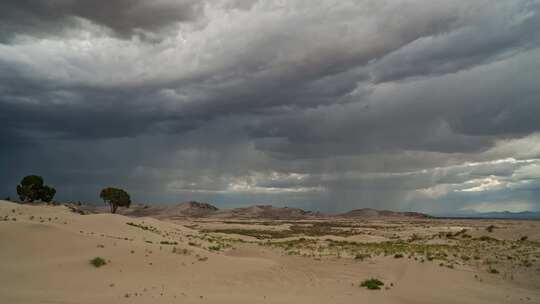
(55, 254)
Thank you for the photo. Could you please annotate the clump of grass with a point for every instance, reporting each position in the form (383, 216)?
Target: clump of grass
(362, 256)
(182, 251)
(487, 238)
(414, 237)
(490, 228)
(372, 284)
(143, 227)
(493, 270)
(168, 243)
(214, 248)
(526, 263)
(398, 256)
(461, 232)
(98, 262)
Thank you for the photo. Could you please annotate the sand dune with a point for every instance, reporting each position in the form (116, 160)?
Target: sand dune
(45, 253)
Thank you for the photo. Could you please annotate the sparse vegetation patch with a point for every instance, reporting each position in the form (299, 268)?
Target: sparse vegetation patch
(98, 262)
(168, 243)
(372, 284)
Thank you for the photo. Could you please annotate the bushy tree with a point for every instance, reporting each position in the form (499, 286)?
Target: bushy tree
(32, 189)
(47, 193)
(115, 198)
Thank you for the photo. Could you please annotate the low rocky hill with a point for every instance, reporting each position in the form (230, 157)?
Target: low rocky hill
(195, 209)
(267, 212)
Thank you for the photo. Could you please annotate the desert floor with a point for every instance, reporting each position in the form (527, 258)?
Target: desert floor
(45, 254)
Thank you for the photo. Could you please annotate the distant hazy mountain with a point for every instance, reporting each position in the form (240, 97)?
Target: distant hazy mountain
(194, 209)
(197, 209)
(529, 215)
(371, 213)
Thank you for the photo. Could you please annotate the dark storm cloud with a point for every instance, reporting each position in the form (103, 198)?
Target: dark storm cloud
(325, 73)
(124, 17)
(331, 105)
(463, 48)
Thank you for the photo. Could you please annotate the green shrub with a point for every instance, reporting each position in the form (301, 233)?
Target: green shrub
(98, 262)
(372, 284)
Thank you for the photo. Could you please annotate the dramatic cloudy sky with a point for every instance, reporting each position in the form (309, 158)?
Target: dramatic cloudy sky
(428, 105)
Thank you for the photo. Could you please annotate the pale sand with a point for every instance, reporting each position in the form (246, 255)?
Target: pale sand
(48, 262)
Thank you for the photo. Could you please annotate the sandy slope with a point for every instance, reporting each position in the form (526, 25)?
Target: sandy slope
(47, 261)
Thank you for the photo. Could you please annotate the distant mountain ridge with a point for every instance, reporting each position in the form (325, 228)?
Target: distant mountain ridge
(528, 215)
(207, 210)
(370, 213)
(267, 212)
(194, 209)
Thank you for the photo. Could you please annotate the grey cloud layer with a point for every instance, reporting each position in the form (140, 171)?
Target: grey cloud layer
(124, 17)
(296, 102)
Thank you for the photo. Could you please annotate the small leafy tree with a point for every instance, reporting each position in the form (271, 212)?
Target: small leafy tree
(115, 197)
(32, 189)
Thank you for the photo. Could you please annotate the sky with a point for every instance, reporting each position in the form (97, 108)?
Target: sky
(424, 105)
